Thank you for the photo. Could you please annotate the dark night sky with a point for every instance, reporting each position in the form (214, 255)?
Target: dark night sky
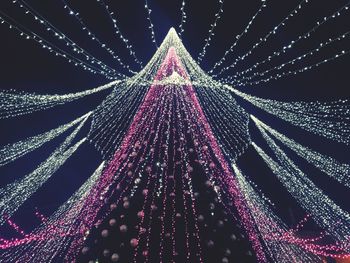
(27, 67)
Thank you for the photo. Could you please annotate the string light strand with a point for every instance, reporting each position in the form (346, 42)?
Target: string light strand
(211, 31)
(151, 26)
(238, 37)
(118, 32)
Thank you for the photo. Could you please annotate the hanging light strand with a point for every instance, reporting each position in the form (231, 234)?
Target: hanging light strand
(328, 119)
(14, 103)
(16, 193)
(29, 35)
(324, 211)
(239, 79)
(118, 32)
(211, 31)
(183, 18)
(238, 37)
(151, 26)
(94, 38)
(291, 44)
(295, 72)
(330, 166)
(264, 39)
(13, 151)
(59, 35)
(271, 226)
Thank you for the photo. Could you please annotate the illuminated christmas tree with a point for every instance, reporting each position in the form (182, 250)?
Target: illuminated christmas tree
(170, 187)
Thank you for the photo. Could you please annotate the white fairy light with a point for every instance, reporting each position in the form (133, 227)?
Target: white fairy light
(325, 212)
(14, 103)
(80, 194)
(151, 26)
(93, 37)
(113, 18)
(270, 225)
(294, 12)
(183, 18)
(112, 119)
(328, 119)
(14, 194)
(198, 76)
(211, 31)
(297, 71)
(244, 79)
(173, 79)
(68, 213)
(290, 45)
(13, 151)
(228, 121)
(27, 34)
(62, 37)
(335, 169)
(238, 37)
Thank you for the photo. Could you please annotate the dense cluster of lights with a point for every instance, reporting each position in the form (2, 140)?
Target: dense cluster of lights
(335, 169)
(310, 197)
(13, 151)
(141, 127)
(269, 224)
(14, 194)
(54, 234)
(197, 76)
(328, 119)
(228, 121)
(15, 103)
(113, 18)
(211, 31)
(108, 130)
(285, 243)
(238, 37)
